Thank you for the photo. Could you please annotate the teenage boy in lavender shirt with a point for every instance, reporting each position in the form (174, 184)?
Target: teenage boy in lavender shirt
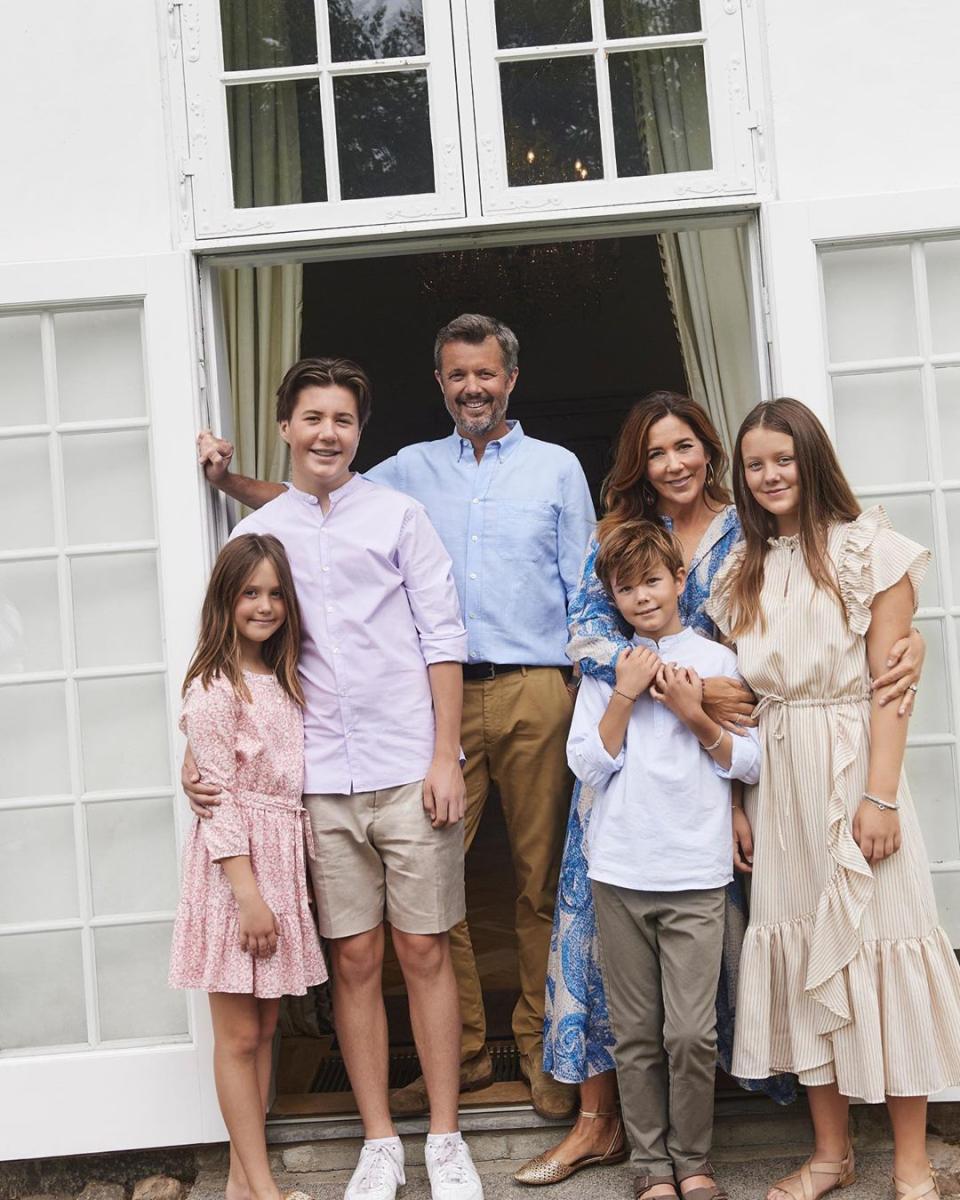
(380, 662)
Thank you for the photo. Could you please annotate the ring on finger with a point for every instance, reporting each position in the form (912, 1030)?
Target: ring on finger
(913, 688)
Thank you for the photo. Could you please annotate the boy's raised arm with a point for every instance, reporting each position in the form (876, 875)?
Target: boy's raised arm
(214, 455)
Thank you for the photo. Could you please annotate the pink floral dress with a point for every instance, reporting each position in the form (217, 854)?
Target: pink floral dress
(254, 752)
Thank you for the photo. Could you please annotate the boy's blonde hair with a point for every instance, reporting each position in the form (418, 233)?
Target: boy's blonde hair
(628, 551)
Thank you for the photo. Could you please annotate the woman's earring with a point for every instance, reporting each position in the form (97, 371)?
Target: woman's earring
(711, 477)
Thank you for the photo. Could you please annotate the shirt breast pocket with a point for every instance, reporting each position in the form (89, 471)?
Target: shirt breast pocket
(526, 531)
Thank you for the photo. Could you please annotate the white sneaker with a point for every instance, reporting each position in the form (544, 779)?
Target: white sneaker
(450, 1167)
(379, 1171)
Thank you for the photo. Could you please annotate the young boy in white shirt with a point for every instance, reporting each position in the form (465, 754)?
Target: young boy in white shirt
(660, 854)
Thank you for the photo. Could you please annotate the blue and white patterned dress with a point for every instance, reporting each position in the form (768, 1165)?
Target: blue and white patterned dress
(577, 1038)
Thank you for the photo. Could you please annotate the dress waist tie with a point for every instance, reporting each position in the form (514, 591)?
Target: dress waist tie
(276, 804)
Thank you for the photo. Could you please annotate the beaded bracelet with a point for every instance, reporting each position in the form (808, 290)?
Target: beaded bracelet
(881, 804)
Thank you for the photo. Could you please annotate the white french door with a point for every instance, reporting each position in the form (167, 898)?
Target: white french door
(101, 569)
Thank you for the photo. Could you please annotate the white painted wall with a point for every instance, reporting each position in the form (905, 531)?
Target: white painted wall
(84, 153)
(864, 95)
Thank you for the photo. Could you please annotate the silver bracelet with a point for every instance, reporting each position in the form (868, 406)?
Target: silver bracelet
(713, 745)
(881, 804)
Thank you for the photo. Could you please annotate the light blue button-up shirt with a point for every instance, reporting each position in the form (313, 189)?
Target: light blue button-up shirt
(516, 526)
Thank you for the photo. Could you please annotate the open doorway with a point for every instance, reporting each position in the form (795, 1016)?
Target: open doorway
(601, 322)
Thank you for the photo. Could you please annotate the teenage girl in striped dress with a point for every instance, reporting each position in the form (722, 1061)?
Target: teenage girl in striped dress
(846, 977)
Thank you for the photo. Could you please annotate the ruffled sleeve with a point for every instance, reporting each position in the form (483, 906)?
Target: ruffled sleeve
(719, 604)
(210, 721)
(597, 632)
(872, 558)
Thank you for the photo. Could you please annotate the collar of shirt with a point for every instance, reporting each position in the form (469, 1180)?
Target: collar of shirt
(502, 447)
(666, 643)
(309, 498)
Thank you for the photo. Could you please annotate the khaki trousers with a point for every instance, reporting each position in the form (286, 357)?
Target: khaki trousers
(661, 965)
(514, 735)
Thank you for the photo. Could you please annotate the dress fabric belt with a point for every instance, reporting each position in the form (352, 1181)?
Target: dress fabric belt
(297, 811)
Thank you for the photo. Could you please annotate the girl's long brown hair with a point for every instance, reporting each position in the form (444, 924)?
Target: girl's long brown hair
(825, 498)
(625, 494)
(218, 647)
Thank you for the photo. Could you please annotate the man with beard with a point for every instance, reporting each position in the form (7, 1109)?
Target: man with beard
(515, 516)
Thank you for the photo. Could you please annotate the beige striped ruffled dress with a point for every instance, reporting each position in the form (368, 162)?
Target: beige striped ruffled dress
(845, 974)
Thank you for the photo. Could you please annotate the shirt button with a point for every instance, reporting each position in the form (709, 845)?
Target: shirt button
(324, 568)
(473, 654)
(336, 649)
(476, 500)
(473, 538)
(473, 574)
(473, 616)
(329, 608)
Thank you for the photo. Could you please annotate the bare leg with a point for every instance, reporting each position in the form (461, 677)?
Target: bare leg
(361, 1022)
(588, 1137)
(269, 1010)
(908, 1116)
(237, 1042)
(831, 1127)
(435, 1017)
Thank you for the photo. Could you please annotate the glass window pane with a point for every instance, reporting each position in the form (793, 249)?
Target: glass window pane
(943, 289)
(135, 1002)
(21, 372)
(267, 33)
(33, 740)
(375, 29)
(931, 773)
(107, 482)
(276, 143)
(26, 503)
(542, 22)
(45, 967)
(29, 617)
(948, 408)
(661, 122)
(869, 298)
(650, 18)
(890, 405)
(122, 836)
(931, 709)
(99, 364)
(123, 730)
(116, 605)
(31, 838)
(913, 517)
(952, 503)
(383, 134)
(550, 123)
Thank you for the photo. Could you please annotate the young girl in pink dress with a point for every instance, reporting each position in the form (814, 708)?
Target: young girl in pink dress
(243, 930)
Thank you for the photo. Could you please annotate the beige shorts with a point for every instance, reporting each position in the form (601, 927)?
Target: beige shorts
(377, 857)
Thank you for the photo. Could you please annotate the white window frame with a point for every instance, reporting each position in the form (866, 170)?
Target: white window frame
(208, 165)
(151, 1091)
(731, 116)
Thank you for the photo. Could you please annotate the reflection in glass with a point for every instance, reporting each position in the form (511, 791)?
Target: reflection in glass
(383, 134)
(26, 502)
(267, 33)
(45, 967)
(122, 836)
(30, 837)
(21, 372)
(869, 302)
(29, 617)
(135, 1002)
(276, 143)
(661, 123)
(550, 123)
(912, 516)
(99, 469)
(890, 405)
(123, 731)
(116, 606)
(931, 774)
(542, 22)
(361, 29)
(99, 364)
(943, 288)
(33, 741)
(650, 18)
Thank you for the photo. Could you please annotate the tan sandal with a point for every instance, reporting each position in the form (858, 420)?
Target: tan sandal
(800, 1185)
(712, 1192)
(929, 1187)
(544, 1169)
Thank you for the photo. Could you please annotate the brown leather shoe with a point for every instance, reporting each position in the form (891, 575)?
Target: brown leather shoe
(412, 1100)
(551, 1099)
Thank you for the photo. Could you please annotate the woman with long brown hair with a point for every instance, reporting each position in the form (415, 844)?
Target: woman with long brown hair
(846, 977)
(669, 466)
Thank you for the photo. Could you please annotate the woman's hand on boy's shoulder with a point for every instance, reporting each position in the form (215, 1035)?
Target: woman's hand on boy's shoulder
(636, 669)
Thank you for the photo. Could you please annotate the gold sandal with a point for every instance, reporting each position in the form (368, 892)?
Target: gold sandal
(929, 1187)
(544, 1169)
(844, 1173)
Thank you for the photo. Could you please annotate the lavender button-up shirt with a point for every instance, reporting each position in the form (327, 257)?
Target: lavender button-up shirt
(378, 605)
